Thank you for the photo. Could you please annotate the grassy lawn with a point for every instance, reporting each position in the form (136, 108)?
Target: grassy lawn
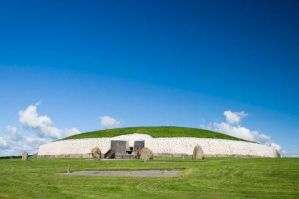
(210, 178)
(159, 131)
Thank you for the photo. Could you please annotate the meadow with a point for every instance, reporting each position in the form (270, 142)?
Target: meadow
(209, 178)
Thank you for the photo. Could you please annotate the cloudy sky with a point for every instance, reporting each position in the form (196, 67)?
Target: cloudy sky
(69, 67)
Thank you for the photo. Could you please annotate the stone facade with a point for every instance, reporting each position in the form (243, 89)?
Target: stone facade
(160, 146)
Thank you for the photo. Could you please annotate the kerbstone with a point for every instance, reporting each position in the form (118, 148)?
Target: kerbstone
(145, 154)
(96, 153)
(197, 153)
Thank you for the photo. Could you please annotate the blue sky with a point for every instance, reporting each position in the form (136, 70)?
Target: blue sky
(152, 63)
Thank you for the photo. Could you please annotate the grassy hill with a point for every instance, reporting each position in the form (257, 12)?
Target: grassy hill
(160, 131)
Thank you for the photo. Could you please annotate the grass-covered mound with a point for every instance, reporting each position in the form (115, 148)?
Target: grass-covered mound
(156, 132)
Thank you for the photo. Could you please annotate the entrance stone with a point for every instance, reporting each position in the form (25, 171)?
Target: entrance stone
(96, 153)
(145, 154)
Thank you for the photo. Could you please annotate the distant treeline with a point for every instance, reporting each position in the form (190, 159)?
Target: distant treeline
(12, 157)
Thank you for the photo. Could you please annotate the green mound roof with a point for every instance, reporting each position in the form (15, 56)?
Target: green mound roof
(156, 132)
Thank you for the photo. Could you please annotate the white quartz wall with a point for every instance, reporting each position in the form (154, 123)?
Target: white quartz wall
(178, 145)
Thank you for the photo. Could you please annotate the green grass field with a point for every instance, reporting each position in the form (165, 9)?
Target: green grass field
(210, 178)
(160, 131)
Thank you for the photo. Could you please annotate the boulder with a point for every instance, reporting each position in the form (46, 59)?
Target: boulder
(96, 153)
(24, 156)
(145, 154)
(197, 153)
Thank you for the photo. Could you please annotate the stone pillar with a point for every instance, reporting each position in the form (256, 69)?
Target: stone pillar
(197, 153)
(24, 156)
(138, 145)
(119, 146)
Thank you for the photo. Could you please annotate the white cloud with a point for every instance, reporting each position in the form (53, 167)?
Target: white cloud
(11, 129)
(11, 132)
(3, 142)
(108, 122)
(40, 130)
(232, 126)
(15, 143)
(234, 117)
(42, 124)
(72, 131)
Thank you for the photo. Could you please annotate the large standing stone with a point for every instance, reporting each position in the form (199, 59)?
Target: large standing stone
(96, 153)
(119, 146)
(24, 156)
(145, 154)
(197, 153)
(138, 145)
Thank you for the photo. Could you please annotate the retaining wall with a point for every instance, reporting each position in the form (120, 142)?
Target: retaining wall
(173, 146)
